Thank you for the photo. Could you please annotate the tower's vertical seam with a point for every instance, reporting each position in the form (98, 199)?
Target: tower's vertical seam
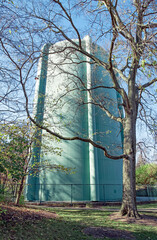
(39, 115)
(90, 124)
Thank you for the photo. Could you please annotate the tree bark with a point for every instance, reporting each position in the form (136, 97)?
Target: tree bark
(20, 191)
(129, 188)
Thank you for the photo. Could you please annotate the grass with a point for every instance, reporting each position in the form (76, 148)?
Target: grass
(149, 205)
(139, 206)
(69, 226)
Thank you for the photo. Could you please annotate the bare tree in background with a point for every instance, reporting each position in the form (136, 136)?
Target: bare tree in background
(128, 31)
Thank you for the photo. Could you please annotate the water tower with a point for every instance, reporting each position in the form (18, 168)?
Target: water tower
(63, 103)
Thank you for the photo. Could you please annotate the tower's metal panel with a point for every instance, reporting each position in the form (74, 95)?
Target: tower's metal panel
(62, 104)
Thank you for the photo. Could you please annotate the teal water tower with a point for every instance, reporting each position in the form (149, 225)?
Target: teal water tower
(64, 103)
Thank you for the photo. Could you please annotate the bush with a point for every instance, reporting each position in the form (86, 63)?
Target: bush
(146, 174)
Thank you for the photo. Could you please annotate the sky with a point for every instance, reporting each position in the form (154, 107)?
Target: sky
(80, 21)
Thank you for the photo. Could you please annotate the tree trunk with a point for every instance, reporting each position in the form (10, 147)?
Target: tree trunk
(129, 184)
(19, 192)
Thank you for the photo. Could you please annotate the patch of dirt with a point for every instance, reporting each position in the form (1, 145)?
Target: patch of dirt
(145, 219)
(13, 215)
(101, 232)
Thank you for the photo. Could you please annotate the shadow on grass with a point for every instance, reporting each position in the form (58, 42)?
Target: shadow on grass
(69, 225)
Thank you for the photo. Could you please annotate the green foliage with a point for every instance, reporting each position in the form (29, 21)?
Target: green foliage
(100, 3)
(22, 200)
(37, 167)
(143, 63)
(2, 197)
(146, 174)
(13, 150)
(5, 197)
(16, 144)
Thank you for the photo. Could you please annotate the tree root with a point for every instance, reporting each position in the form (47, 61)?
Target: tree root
(130, 213)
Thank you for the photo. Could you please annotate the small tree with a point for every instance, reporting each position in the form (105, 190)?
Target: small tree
(16, 152)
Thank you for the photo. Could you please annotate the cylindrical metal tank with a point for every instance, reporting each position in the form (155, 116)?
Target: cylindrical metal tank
(64, 105)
